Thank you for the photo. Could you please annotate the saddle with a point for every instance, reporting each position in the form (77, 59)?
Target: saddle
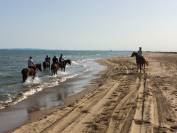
(32, 67)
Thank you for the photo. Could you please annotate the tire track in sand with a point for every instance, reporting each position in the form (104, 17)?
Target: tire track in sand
(165, 115)
(77, 112)
(116, 109)
(124, 111)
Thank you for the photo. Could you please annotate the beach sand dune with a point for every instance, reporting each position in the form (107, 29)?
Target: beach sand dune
(120, 101)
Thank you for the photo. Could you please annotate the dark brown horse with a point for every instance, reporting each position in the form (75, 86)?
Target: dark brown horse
(63, 64)
(54, 68)
(30, 72)
(140, 61)
(46, 65)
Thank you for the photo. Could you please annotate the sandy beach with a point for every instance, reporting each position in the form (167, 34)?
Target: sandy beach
(120, 100)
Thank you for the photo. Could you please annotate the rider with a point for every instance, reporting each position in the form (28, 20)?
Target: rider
(31, 63)
(55, 60)
(140, 53)
(47, 59)
(61, 59)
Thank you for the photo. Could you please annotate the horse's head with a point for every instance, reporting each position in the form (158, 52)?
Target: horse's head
(68, 61)
(134, 54)
(39, 67)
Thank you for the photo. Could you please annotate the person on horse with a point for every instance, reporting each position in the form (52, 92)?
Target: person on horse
(140, 53)
(31, 63)
(47, 59)
(55, 60)
(61, 59)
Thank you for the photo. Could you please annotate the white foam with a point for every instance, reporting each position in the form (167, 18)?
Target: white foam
(75, 63)
(53, 76)
(27, 94)
(30, 81)
(32, 91)
(86, 70)
(63, 73)
(36, 80)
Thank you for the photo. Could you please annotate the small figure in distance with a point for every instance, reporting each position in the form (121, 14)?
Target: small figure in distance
(46, 63)
(140, 53)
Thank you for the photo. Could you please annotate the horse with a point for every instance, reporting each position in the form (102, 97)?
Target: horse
(54, 68)
(140, 61)
(46, 65)
(63, 64)
(30, 72)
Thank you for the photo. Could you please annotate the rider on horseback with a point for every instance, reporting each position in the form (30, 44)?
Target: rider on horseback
(47, 59)
(55, 60)
(31, 63)
(140, 53)
(61, 59)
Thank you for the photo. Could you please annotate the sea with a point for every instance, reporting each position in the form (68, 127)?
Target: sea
(13, 92)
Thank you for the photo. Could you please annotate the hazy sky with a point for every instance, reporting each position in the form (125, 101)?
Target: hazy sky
(89, 24)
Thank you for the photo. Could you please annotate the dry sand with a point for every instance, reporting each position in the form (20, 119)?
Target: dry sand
(120, 101)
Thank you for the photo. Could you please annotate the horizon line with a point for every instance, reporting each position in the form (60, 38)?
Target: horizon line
(84, 50)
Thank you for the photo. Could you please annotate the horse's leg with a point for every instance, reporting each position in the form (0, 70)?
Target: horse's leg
(34, 76)
(24, 77)
(140, 68)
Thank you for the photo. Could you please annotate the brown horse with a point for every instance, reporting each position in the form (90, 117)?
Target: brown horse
(30, 71)
(63, 64)
(54, 68)
(140, 61)
(46, 65)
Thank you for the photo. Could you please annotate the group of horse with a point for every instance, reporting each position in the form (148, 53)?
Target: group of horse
(141, 62)
(26, 72)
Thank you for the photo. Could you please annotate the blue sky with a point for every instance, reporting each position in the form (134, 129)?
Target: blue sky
(89, 24)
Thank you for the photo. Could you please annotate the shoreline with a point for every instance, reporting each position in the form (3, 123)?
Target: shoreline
(34, 113)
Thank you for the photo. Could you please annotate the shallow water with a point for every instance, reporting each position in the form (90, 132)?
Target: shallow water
(13, 61)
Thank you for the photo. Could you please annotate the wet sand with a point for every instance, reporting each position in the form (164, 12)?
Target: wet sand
(121, 100)
(44, 102)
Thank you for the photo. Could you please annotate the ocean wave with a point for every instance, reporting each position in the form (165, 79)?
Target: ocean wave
(75, 63)
(68, 77)
(31, 90)
(26, 94)
(8, 98)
